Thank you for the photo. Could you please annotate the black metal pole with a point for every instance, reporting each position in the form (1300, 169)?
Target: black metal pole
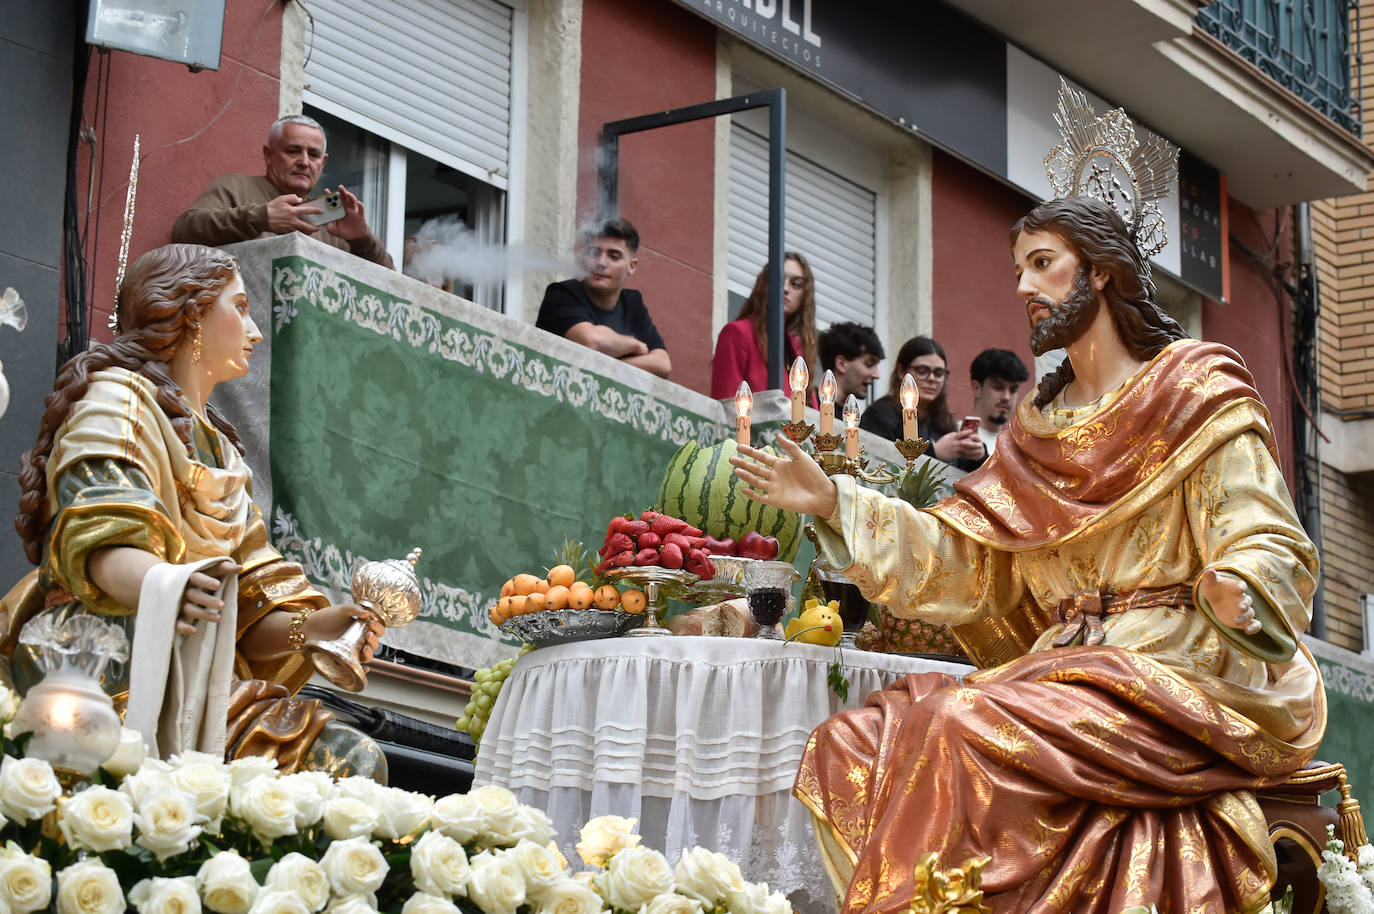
(775, 100)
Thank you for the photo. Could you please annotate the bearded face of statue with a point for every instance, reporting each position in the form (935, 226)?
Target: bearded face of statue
(1068, 319)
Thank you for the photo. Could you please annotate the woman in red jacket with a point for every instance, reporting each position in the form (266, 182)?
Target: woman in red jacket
(740, 346)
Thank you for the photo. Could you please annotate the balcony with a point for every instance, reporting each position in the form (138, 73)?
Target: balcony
(1303, 46)
(1260, 89)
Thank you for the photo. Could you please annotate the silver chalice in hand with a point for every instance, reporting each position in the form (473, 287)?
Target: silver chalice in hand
(389, 590)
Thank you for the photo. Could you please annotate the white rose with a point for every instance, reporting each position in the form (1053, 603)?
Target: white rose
(458, 816)
(353, 904)
(166, 896)
(298, 873)
(540, 866)
(206, 778)
(89, 887)
(361, 788)
(25, 882)
(754, 898)
(349, 817)
(706, 876)
(128, 755)
(153, 776)
(422, 903)
(671, 903)
(495, 884)
(633, 877)
(439, 865)
(402, 813)
(267, 805)
(97, 819)
(168, 822)
(309, 789)
(604, 837)
(533, 825)
(569, 896)
(9, 703)
(354, 866)
(501, 817)
(226, 883)
(250, 768)
(279, 901)
(28, 788)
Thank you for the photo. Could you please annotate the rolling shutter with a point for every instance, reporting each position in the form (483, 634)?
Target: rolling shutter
(830, 220)
(433, 76)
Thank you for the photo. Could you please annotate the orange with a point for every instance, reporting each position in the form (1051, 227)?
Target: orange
(580, 595)
(556, 598)
(525, 584)
(632, 601)
(508, 589)
(495, 614)
(517, 605)
(562, 576)
(534, 603)
(606, 597)
(541, 585)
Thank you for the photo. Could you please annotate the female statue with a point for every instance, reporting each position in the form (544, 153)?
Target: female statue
(134, 470)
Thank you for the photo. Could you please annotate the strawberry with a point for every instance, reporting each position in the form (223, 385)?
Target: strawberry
(698, 542)
(615, 560)
(616, 542)
(617, 522)
(689, 530)
(635, 527)
(680, 541)
(647, 515)
(663, 525)
(650, 540)
(646, 557)
(671, 555)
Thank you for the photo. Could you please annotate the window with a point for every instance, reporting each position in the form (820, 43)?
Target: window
(418, 100)
(830, 220)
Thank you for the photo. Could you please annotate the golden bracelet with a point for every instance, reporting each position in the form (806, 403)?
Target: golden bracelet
(295, 632)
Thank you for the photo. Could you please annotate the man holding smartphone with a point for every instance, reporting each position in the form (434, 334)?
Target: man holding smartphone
(239, 207)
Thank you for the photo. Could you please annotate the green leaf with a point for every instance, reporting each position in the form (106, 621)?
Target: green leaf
(838, 682)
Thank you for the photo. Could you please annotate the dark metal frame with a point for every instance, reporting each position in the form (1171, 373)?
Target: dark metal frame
(775, 100)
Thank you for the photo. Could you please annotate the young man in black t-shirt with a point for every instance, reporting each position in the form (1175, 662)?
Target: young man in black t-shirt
(598, 311)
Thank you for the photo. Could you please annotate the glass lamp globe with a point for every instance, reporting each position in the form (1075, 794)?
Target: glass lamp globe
(73, 722)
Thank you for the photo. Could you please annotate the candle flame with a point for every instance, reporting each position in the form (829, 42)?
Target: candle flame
(744, 399)
(910, 395)
(828, 387)
(63, 713)
(798, 377)
(851, 412)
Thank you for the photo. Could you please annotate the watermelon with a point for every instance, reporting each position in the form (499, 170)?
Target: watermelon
(700, 487)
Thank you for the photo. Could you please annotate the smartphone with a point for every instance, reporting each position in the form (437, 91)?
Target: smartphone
(332, 204)
(970, 424)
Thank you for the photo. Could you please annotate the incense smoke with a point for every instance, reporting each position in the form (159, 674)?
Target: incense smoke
(446, 249)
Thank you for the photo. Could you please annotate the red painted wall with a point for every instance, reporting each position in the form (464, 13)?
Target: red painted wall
(638, 58)
(192, 127)
(1256, 321)
(973, 288)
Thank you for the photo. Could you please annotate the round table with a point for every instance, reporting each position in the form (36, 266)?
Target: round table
(699, 738)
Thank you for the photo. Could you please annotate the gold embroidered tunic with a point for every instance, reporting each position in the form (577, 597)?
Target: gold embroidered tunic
(1096, 777)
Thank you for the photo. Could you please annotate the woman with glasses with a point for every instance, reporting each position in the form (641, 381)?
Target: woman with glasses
(924, 359)
(740, 354)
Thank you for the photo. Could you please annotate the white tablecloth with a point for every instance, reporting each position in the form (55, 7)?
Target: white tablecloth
(699, 738)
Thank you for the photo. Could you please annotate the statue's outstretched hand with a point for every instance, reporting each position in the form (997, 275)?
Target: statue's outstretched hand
(332, 621)
(199, 603)
(1231, 605)
(792, 481)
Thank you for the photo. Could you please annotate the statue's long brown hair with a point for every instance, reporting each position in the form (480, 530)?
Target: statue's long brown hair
(1100, 239)
(802, 322)
(160, 303)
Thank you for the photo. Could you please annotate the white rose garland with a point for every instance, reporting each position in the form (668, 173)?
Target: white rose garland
(25, 881)
(298, 873)
(354, 867)
(96, 819)
(439, 866)
(495, 883)
(634, 877)
(226, 883)
(166, 896)
(28, 789)
(89, 887)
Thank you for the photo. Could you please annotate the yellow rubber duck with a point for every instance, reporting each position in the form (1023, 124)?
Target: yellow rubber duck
(819, 623)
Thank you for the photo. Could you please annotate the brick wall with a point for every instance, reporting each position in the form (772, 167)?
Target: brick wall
(1343, 231)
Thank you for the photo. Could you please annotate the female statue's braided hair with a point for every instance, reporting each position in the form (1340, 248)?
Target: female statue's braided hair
(161, 301)
(1100, 239)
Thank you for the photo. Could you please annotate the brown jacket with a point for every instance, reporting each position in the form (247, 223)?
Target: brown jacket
(234, 208)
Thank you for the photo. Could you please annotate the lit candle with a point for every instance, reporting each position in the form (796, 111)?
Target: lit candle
(910, 396)
(798, 378)
(827, 392)
(851, 427)
(744, 400)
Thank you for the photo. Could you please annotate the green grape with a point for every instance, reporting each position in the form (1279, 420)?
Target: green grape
(462, 723)
(484, 703)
